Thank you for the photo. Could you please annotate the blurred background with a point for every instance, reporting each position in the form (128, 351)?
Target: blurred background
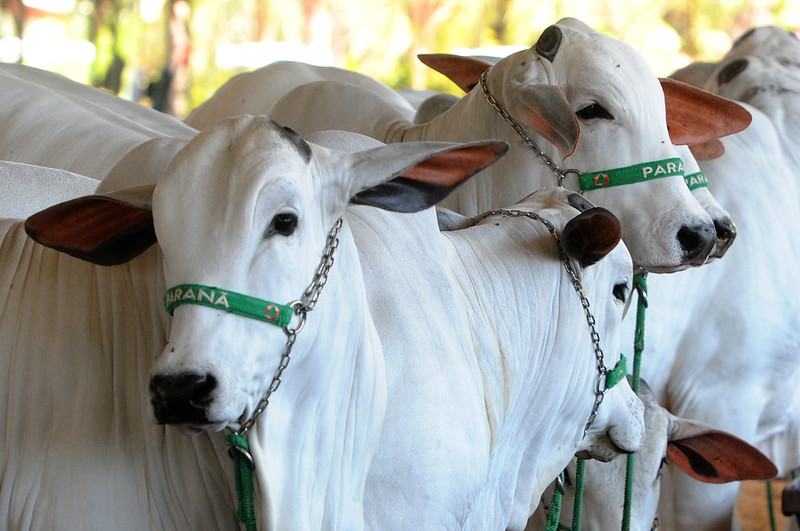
(173, 54)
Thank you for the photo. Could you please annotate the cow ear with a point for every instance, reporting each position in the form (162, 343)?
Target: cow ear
(713, 149)
(462, 70)
(102, 229)
(545, 109)
(695, 116)
(713, 456)
(437, 171)
(591, 235)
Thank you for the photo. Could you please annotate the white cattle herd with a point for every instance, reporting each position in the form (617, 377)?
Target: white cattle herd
(403, 310)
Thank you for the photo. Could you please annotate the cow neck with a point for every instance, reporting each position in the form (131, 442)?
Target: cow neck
(606, 378)
(637, 173)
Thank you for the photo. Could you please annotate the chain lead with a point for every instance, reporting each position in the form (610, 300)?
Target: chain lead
(517, 127)
(602, 370)
(301, 308)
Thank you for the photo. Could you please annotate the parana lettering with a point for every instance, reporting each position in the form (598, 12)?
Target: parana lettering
(663, 170)
(215, 297)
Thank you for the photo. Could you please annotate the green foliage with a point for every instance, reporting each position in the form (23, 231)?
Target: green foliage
(381, 38)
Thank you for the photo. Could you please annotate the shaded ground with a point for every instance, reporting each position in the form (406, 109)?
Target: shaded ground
(753, 507)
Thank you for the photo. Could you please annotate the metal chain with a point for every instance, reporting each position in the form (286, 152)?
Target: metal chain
(600, 387)
(301, 308)
(517, 127)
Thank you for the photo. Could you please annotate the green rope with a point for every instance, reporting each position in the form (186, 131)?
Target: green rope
(577, 507)
(640, 282)
(770, 507)
(239, 449)
(554, 513)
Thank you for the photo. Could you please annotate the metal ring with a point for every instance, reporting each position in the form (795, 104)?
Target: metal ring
(564, 173)
(300, 310)
(248, 458)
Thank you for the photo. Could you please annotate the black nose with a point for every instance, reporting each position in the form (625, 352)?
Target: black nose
(696, 241)
(726, 233)
(181, 398)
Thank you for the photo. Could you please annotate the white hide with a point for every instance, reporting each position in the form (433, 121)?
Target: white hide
(487, 399)
(478, 423)
(26, 189)
(50, 120)
(256, 92)
(711, 456)
(720, 344)
(590, 67)
(79, 450)
(772, 85)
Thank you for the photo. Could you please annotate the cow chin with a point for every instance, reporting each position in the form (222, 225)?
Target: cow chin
(604, 450)
(197, 429)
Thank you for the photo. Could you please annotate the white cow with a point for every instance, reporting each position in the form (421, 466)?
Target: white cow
(572, 81)
(685, 446)
(720, 343)
(257, 92)
(769, 83)
(246, 206)
(26, 189)
(466, 72)
(490, 363)
(49, 120)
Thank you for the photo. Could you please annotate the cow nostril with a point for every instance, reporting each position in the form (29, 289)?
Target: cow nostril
(181, 397)
(726, 230)
(696, 240)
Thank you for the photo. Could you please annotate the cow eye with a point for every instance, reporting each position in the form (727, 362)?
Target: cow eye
(621, 291)
(284, 224)
(660, 466)
(592, 111)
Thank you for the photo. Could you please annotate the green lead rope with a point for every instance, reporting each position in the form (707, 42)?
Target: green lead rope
(577, 507)
(640, 282)
(239, 449)
(554, 513)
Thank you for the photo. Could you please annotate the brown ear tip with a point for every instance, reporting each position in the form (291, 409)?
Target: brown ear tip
(591, 235)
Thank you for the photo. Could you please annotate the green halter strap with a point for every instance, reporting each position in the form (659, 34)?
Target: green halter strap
(696, 180)
(228, 301)
(638, 173)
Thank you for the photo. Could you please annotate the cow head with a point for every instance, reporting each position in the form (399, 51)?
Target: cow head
(701, 451)
(597, 106)
(246, 208)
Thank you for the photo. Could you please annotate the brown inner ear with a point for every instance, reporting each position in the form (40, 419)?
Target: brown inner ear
(463, 71)
(452, 167)
(695, 116)
(591, 235)
(718, 457)
(97, 229)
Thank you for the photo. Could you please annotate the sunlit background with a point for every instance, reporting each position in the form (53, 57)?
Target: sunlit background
(173, 54)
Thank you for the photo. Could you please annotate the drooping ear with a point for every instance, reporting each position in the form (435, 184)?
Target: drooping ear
(437, 170)
(696, 116)
(545, 109)
(462, 70)
(713, 456)
(591, 235)
(102, 229)
(713, 149)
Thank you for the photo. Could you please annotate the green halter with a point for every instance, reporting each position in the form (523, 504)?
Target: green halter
(696, 180)
(638, 173)
(228, 301)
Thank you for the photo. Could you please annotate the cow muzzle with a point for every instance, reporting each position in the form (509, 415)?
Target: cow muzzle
(182, 398)
(696, 242)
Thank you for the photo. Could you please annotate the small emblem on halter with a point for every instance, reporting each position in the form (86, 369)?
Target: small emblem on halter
(601, 180)
(272, 312)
